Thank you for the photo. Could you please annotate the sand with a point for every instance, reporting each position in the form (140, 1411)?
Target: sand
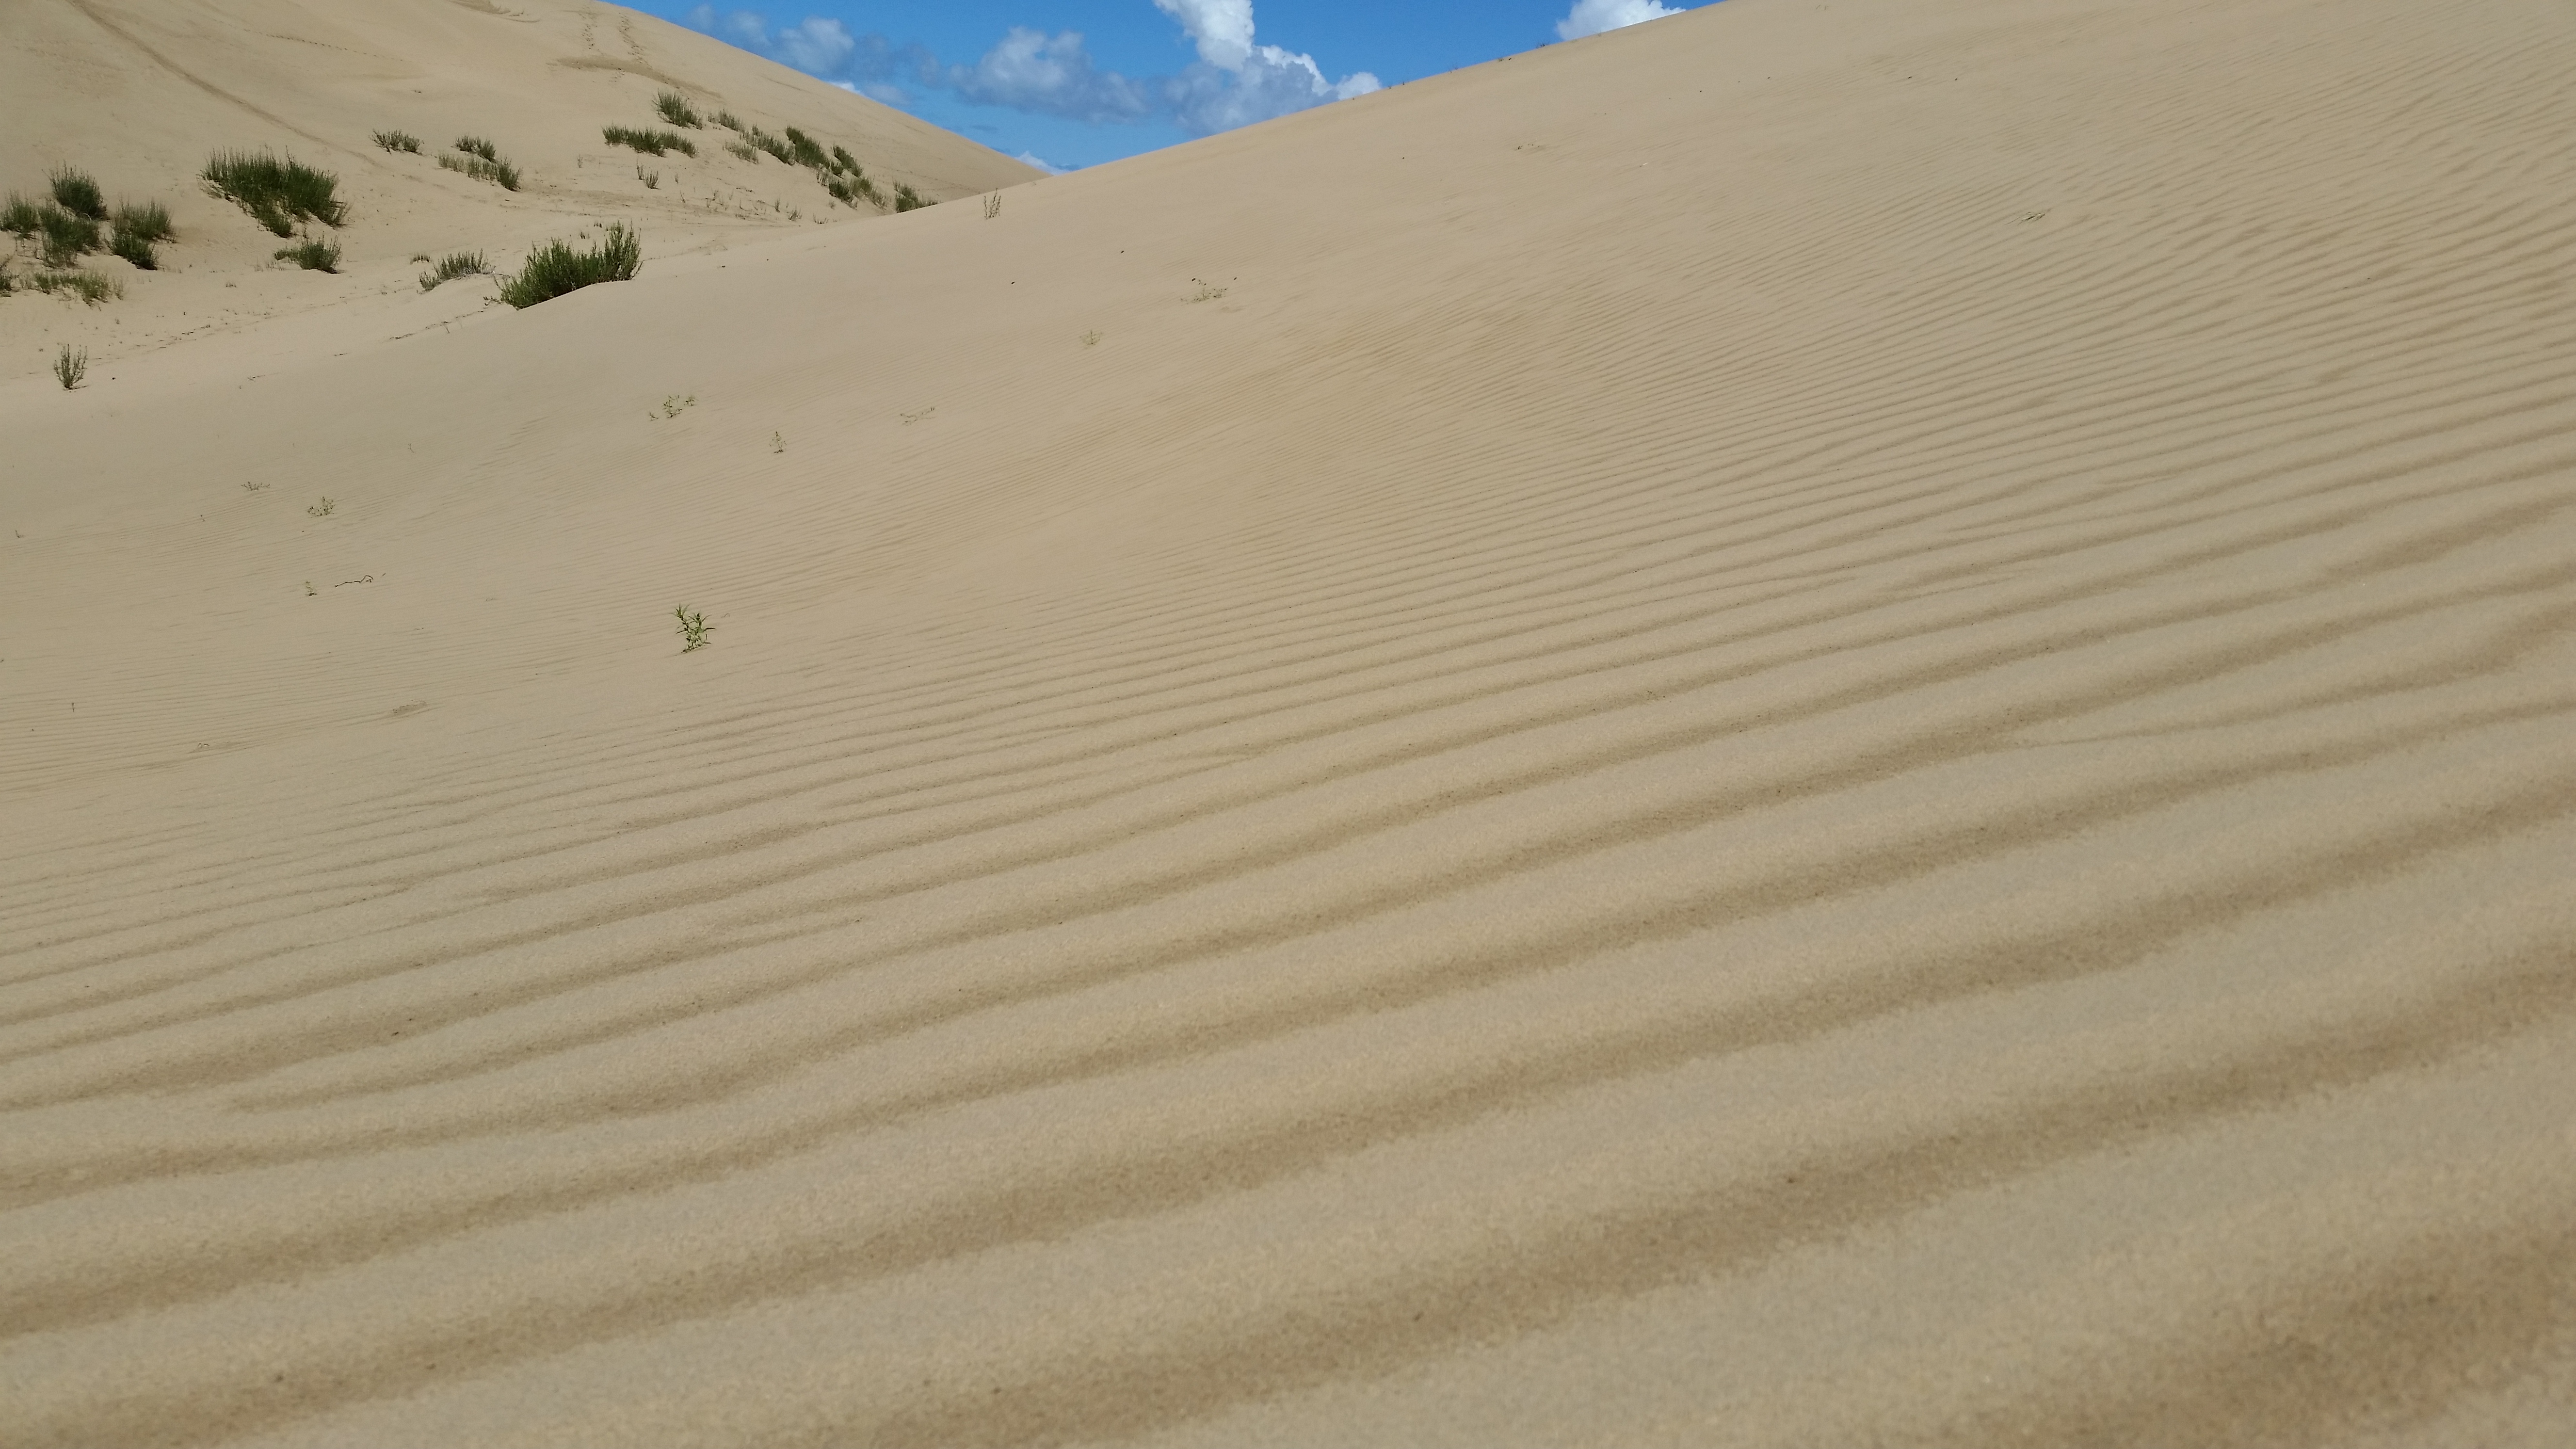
(1819, 723)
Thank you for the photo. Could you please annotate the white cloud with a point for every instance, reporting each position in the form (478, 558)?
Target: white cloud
(1591, 17)
(1237, 82)
(1051, 75)
(1031, 158)
(1234, 82)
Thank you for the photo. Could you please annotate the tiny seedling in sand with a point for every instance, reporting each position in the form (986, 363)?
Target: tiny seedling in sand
(694, 628)
(652, 179)
(309, 590)
(992, 206)
(399, 141)
(70, 366)
(1091, 338)
(322, 509)
(777, 444)
(1206, 293)
(674, 405)
(253, 487)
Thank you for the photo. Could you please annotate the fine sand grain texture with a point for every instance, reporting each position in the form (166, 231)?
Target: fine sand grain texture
(1818, 724)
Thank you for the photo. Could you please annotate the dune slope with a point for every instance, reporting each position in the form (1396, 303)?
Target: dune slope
(140, 94)
(1814, 724)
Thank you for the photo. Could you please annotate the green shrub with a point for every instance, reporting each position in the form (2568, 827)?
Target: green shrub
(907, 199)
(63, 238)
(650, 142)
(312, 254)
(555, 268)
(675, 108)
(728, 120)
(90, 287)
(477, 146)
(137, 228)
(21, 216)
(453, 266)
(76, 193)
(480, 169)
(276, 193)
(743, 149)
(843, 161)
(806, 151)
(398, 141)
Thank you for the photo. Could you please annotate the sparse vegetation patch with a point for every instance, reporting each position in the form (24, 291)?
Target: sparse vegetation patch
(675, 108)
(907, 199)
(312, 254)
(276, 193)
(90, 287)
(652, 143)
(483, 168)
(70, 366)
(399, 141)
(137, 228)
(76, 193)
(452, 266)
(556, 268)
(477, 146)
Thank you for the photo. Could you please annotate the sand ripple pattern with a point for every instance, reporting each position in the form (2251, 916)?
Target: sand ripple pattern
(1796, 727)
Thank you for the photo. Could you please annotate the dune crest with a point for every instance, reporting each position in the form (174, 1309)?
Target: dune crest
(1811, 724)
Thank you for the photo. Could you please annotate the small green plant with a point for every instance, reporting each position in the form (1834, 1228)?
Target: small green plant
(1091, 338)
(992, 206)
(651, 143)
(310, 591)
(7, 284)
(743, 149)
(674, 405)
(398, 141)
(76, 193)
(1206, 293)
(675, 108)
(322, 509)
(907, 199)
(137, 228)
(90, 287)
(477, 146)
(771, 144)
(777, 444)
(20, 217)
(804, 150)
(312, 254)
(694, 628)
(555, 268)
(64, 237)
(253, 487)
(276, 193)
(453, 266)
(484, 169)
(728, 120)
(842, 160)
(70, 366)
(652, 179)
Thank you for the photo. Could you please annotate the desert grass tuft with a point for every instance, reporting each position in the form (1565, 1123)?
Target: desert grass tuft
(137, 228)
(907, 199)
(90, 287)
(452, 266)
(76, 193)
(477, 146)
(555, 268)
(21, 217)
(482, 169)
(675, 108)
(398, 141)
(652, 143)
(276, 193)
(63, 238)
(70, 367)
(694, 628)
(312, 254)
(743, 149)
(728, 120)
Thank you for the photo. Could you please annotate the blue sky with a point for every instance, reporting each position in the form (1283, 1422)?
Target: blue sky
(1073, 83)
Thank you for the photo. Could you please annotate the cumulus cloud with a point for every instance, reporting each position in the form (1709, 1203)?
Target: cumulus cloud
(1031, 158)
(1234, 82)
(1591, 17)
(1053, 76)
(1237, 82)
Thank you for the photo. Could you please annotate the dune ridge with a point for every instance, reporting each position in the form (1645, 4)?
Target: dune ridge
(1817, 723)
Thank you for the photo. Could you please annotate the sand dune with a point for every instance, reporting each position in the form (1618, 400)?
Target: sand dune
(1813, 724)
(140, 93)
